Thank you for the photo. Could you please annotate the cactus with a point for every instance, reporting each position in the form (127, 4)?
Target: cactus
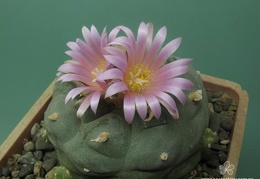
(105, 145)
(209, 137)
(59, 172)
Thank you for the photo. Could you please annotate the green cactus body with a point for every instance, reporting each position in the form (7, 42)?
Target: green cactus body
(105, 145)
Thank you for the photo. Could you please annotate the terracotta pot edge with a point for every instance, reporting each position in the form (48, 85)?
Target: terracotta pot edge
(16, 136)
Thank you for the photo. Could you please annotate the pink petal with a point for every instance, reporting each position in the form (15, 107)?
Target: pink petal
(149, 36)
(122, 40)
(174, 64)
(119, 62)
(115, 88)
(166, 52)
(128, 33)
(86, 34)
(89, 38)
(141, 106)
(176, 92)
(184, 84)
(131, 42)
(103, 39)
(72, 68)
(166, 97)
(77, 57)
(171, 73)
(141, 42)
(156, 45)
(76, 91)
(96, 39)
(73, 46)
(154, 105)
(109, 74)
(75, 77)
(181, 83)
(84, 106)
(173, 111)
(168, 102)
(113, 34)
(129, 47)
(95, 100)
(91, 55)
(114, 51)
(129, 108)
(102, 85)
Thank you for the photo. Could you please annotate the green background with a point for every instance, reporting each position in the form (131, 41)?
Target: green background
(222, 36)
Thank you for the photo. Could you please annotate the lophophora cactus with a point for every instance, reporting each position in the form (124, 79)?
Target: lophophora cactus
(105, 145)
(123, 133)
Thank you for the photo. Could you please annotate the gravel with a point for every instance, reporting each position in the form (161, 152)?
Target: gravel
(37, 158)
(222, 114)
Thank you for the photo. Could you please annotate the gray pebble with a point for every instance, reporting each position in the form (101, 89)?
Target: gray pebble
(31, 176)
(5, 171)
(29, 146)
(37, 168)
(227, 124)
(199, 168)
(206, 153)
(42, 143)
(26, 170)
(197, 178)
(42, 123)
(217, 94)
(209, 95)
(50, 154)
(213, 161)
(15, 173)
(223, 135)
(227, 103)
(35, 130)
(214, 172)
(49, 164)
(204, 167)
(219, 147)
(38, 154)
(27, 158)
(217, 107)
(222, 156)
(214, 122)
(204, 174)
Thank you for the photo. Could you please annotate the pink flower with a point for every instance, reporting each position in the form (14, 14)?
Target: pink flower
(142, 74)
(87, 63)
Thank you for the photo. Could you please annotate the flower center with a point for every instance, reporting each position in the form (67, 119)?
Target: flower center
(138, 78)
(97, 70)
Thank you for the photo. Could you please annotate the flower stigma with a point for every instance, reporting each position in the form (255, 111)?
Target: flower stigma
(138, 78)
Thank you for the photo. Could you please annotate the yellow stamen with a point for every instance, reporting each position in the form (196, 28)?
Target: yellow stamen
(138, 78)
(97, 70)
